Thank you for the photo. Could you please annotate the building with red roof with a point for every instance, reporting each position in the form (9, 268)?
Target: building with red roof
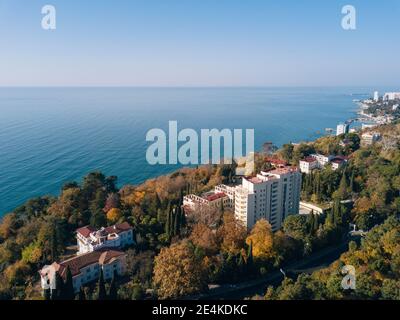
(117, 236)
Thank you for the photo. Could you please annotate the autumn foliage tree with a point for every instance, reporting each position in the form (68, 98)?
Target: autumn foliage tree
(233, 235)
(205, 238)
(178, 272)
(261, 237)
(114, 215)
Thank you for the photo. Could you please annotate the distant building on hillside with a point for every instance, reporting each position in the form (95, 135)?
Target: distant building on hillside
(319, 161)
(370, 138)
(308, 208)
(85, 268)
(342, 128)
(322, 160)
(338, 161)
(376, 96)
(117, 236)
(308, 164)
(389, 96)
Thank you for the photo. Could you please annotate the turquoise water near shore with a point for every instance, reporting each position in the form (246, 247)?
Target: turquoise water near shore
(49, 136)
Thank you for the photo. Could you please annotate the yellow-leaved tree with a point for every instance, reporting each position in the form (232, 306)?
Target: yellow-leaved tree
(114, 215)
(177, 271)
(262, 239)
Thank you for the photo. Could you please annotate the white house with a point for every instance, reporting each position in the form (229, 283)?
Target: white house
(322, 159)
(338, 162)
(308, 164)
(117, 236)
(370, 138)
(85, 268)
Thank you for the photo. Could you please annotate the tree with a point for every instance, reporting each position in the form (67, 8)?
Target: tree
(113, 201)
(250, 259)
(233, 234)
(204, 237)
(177, 271)
(261, 240)
(102, 295)
(98, 219)
(342, 193)
(287, 152)
(114, 215)
(81, 294)
(32, 253)
(296, 226)
(47, 294)
(113, 294)
(69, 292)
(58, 292)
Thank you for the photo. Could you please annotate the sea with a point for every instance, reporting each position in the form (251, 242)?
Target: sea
(49, 136)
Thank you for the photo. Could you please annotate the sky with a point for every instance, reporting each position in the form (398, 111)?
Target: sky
(200, 43)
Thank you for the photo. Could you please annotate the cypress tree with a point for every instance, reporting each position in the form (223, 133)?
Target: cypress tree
(171, 223)
(240, 263)
(343, 187)
(158, 201)
(47, 294)
(58, 292)
(352, 181)
(310, 222)
(112, 294)
(176, 221)
(69, 293)
(53, 244)
(316, 223)
(168, 224)
(183, 218)
(250, 255)
(181, 197)
(81, 295)
(101, 286)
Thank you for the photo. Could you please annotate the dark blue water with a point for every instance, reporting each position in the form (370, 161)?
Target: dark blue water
(49, 136)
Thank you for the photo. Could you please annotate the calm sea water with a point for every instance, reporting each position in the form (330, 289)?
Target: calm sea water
(49, 136)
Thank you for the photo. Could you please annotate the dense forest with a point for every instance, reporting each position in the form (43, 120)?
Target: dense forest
(177, 254)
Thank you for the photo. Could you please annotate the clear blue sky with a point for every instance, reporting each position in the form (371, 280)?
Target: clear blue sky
(200, 43)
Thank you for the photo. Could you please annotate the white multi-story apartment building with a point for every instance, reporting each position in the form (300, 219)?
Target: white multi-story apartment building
(342, 128)
(85, 268)
(271, 195)
(117, 236)
(376, 96)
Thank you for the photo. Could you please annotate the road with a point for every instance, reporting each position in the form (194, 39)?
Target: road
(242, 290)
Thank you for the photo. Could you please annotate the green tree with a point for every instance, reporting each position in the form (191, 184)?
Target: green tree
(102, 295)
(113, 294)
(69, 292)
(81, 295)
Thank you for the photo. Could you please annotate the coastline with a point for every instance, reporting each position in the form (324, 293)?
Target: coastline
(138, 173)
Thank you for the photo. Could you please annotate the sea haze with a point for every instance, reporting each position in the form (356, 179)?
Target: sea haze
(49, 136)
